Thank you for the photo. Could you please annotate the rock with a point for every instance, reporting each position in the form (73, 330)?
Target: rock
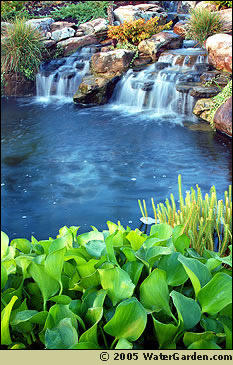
(18, 85)
(130, 13)
(60, 25)
(112, 63)
(223, 118)
(95, 90)
(206, 5)
(204, 92)
(219, 47)
(184, 7)
(79, 33)
(106, 49)
(186, 87)
(202, 108)
(202, 67)
(49, 43)
(42, 24)
(71, 45)
(161, 65)
(93, 27)
(226, 17)
(221, 79)
(63, 33)
(180, 28)
(158, 43)
(142, 61)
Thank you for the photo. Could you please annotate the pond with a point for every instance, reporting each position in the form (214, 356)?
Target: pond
(62, 165)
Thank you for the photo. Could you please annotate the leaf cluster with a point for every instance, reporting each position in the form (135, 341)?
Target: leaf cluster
(83, 11)
(223, 4)
(136, 31)
(118, 288)
(22, 48)
(12, 9)
(203, 24)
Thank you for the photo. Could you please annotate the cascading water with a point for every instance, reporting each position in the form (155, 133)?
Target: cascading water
(154, 89)
(60, 78)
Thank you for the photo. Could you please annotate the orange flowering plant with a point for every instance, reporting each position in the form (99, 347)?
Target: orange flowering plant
(136, 31)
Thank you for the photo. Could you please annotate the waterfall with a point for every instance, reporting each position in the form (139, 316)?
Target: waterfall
(154, 89)
(60, 78)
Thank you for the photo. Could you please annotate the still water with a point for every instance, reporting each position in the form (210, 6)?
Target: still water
(62, 165)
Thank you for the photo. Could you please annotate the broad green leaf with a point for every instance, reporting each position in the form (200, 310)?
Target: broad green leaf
(154, 294)
(134, 269)
(48, 286)
(135, 239)
(110, 250)
(54, 261)
(85, 346)
(112, 227)
(129, 253)
(89, 236)
(57, 312)
(23, 262)
(184, 307)
(162, 230)
(95, 248)
(129, 320)
(197, 272)
(211, 324)
(4, 277)
(10, 266)
(5, 318)
(118, 284)
(182, 243)
(176, 274)
(118, 239)
(90, 335)
(216, 294)
(225, 260)
(64, 336)
(227, 324)
(213, 264)
(165, 333)
(23, 316)
(4, 244)
(124, 344)
(61, 299)
(227, 311)
(177, 232)
(67, 235)
(154, 253)
(204, 345)
(191, 337)
(22, 245)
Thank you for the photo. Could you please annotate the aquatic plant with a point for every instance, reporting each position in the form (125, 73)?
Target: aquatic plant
(207, 222)
(202, 24)
(136, 31)
(22, 48)
(107, 290)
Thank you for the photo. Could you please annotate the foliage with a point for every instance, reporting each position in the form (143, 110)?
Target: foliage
(207, 222)
(136, 31)
(223, 4)
(22, 49)
(202, 24)
(83, 11)
(12, 9)
(219, 100)
(102, 290)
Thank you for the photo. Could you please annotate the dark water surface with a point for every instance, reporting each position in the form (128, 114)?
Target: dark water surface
(67, 166)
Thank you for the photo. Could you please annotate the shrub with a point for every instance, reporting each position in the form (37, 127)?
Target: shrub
(12, 9)
(22, 48)
(136, 31)
(114, 289)
(219, 100)
(83, 11)
(223, 4)
(208, 222)
(203, 24)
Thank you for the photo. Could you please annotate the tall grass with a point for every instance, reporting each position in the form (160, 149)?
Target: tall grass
(203, 24)
(207, 221)
(22, 48)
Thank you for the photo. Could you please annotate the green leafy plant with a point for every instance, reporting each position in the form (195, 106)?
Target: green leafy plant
(223, 4)
(136, 31)
(202, 24)
(206, 221)
(22, 49)
(12, 9)
(219, 100)
(83, 11)
(107, 290)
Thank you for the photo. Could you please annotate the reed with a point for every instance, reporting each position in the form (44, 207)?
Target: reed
(207, 221)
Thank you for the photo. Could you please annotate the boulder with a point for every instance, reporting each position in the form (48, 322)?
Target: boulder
(112, 63)
(184, 7)
(130, 13)
(42, 24)
(220, 77)
(95, 90)
(206, 5)
(180, 28)
(142, 61)
(159, 43)
(219, 47)
(200, 92)
(18, 85)
(202, 108)
(60, 25)
(63, 33)
(223, 118)
(226, 17)
(71, 45)
(93, 27)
